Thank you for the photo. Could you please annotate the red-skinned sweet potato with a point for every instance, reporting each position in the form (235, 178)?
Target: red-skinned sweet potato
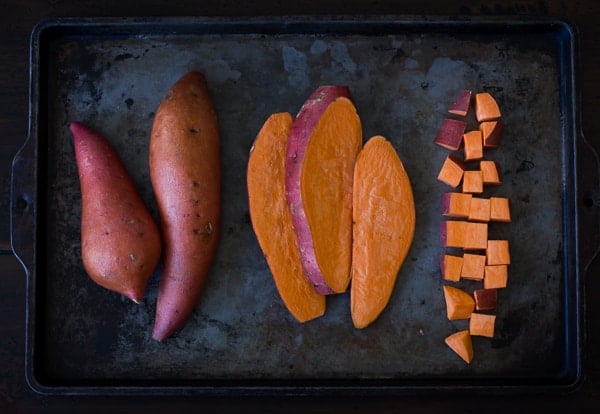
(324, 142)
(185, 170)
(120, 241)
(272, 221)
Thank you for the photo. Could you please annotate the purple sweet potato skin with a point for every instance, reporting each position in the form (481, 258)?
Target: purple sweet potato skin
(461, 104)
(120, 241)
(305, 122)
(446, 197)
(450, 134)
(494, 139)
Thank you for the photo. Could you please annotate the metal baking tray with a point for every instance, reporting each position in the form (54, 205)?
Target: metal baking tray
(403, 73)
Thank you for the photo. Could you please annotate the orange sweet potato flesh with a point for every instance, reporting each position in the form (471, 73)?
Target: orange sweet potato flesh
(461, 343)
(324, 142)
(272, 221)
(486, 107)
(185, 171)
(120, 241)
(383, 230)
(459, 304)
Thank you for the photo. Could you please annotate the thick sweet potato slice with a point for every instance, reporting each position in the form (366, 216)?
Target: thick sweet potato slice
(272, 222)
(324, 142)
(383, 230)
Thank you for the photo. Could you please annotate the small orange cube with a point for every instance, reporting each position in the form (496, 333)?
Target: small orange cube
(451, 267)
(481, 324)
(459, 304)
(473, 145)
(452, 233)
(452, 171)
(456, 205)
(495, 277)
(486, 107)
(497, 252)
(500, 209)
(476, 236)
(480, 209)
(490, 172)
(472, 182)
(473, 266)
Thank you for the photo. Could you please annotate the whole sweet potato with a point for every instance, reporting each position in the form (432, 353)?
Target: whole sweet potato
(120, 242)
(185, 170)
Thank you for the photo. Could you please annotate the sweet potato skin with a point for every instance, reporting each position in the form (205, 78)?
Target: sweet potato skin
(307, 119)
(120, 241)
(185, 171)
(272, 221)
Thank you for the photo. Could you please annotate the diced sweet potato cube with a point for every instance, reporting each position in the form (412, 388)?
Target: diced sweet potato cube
(476, 235)
(461, 343)
(472, 182)
(452, 233)
(497, 252)
(485, 299)
(451, 267)
(480, 209)
(486, 107)
(473, 145)
(459, 304)
(492, 132)
(461, 105)
(490, 172)
(450, 134)
(456, 205)
(473, 266)
(452, 171)
(495, 277)
(499, 209)
(482, 324)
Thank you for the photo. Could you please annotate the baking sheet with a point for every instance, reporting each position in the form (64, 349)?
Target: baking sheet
(403, 74)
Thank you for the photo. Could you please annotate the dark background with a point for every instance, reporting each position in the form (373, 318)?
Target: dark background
(17, 18)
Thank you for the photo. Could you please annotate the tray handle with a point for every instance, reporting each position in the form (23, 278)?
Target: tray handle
(22, 204)
(589, 201)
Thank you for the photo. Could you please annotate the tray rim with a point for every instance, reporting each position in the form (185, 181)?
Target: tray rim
(189, 25)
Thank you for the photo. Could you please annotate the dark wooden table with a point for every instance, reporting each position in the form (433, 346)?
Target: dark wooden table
(17, 20)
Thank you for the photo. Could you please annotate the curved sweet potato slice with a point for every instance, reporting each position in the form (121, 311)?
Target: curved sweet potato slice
(383, 230)
(325, 139)
(272, 221)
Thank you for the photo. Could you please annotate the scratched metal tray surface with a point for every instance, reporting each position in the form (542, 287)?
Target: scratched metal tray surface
(403, 73)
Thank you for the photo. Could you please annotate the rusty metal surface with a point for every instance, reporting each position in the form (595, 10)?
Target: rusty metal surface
(402, 79)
